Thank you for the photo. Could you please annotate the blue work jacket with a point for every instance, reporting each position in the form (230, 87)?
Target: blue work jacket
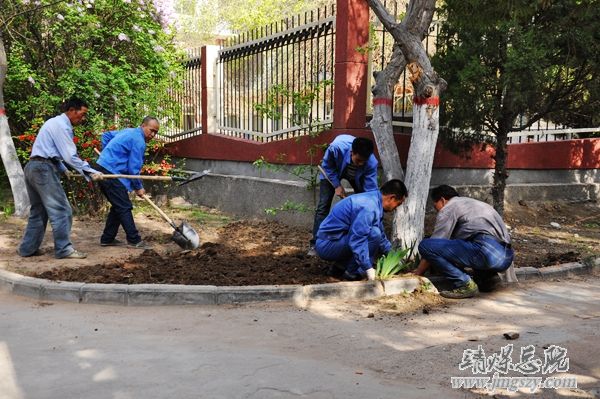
(355, 216)
(123, 153)
(338, 156)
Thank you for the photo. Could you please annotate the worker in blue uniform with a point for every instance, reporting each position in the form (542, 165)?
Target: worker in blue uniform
(350, 158)
(352, 235)
(123, 153)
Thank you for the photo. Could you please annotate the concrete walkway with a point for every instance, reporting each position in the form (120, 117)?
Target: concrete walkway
(329, 349)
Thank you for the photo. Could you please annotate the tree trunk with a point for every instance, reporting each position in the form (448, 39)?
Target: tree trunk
(411, 217)
(500, 172)
(409, 220)
(381, 124)
(7, 149)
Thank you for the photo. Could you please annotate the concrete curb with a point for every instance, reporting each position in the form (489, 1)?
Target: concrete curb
(171, 294)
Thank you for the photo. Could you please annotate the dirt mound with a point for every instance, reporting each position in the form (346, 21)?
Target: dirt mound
(247, 253)
(243, 252)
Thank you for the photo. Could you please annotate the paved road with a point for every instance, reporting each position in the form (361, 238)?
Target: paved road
(328, 350)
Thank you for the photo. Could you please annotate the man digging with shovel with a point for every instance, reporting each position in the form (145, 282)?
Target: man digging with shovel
(123, 153)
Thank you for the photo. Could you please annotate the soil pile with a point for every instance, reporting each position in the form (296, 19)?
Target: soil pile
(247, 253)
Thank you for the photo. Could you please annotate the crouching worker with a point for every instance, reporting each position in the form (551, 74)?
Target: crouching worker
(468, 233)
(352, 234)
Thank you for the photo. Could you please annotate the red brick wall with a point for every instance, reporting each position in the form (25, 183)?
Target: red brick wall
(567, 154)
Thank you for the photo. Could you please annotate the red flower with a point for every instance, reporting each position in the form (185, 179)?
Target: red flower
(22, 137)
(75, 140)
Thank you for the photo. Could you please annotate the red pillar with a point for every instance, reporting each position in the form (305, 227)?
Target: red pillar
(350, 84)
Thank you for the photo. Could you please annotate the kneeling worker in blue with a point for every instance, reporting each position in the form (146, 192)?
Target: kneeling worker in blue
(352, 235)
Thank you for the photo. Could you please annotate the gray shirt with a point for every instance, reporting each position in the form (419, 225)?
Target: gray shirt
(462, 218)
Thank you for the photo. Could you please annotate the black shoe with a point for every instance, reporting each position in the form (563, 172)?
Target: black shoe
(486, 281)
(351, 276)
(38, 252)
(113, 243)
(336, 271)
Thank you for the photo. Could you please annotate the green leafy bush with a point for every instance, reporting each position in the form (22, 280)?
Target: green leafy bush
(114, 54)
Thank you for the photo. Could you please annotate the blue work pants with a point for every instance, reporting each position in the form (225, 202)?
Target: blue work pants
(484, 254)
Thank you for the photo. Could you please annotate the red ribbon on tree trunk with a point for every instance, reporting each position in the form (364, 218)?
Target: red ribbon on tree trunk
(383, 101)
(2, 112)
(427, 101)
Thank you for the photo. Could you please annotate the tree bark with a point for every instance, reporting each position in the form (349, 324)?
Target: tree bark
(500, 172)
(381, 124)
(7, 148)
(408, 35)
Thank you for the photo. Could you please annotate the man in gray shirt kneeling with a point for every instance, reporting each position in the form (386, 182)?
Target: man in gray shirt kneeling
(468, 233)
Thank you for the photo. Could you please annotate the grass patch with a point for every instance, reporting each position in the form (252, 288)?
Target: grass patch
(202, 216)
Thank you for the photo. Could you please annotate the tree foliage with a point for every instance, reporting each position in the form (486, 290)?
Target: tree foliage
(201, 21)
(113, 53)
(515, 64)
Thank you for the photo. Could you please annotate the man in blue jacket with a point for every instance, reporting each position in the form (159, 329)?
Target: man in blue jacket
(123, 153)
(347, 158)
(352, 234)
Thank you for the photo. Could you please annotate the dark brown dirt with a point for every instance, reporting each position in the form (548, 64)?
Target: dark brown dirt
(247, 253)
(260, 252)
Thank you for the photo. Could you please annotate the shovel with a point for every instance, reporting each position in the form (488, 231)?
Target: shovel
(181, 180)
(184, 235)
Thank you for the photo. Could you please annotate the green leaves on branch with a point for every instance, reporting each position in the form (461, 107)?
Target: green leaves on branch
(114, 54)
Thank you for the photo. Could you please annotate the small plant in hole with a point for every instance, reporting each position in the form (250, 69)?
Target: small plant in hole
(397, 260)
(393, 263)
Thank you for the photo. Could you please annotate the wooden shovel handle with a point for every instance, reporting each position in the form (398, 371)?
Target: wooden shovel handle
(141, 177)
(105, 176)
(160, 211)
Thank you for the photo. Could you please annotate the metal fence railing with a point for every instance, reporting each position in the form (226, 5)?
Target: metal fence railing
(547, 131)
(182, 118)
(380, 49)
(291, 55)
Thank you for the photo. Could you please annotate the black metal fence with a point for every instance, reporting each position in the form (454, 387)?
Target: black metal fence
(269, 68)
(380, 50)
(181, 118)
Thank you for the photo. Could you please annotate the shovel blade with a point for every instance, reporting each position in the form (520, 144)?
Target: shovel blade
(194, 177)
(186, 237)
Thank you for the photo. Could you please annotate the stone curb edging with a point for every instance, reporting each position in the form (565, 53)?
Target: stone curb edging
(172, 294)
(548, 272)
